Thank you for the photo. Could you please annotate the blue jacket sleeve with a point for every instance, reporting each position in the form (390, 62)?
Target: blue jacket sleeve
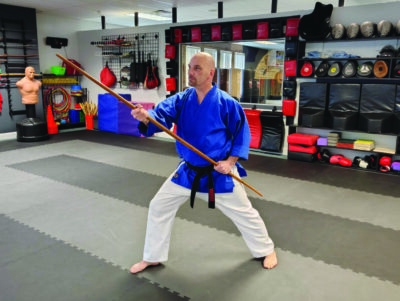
(165, 113)
(239, 128)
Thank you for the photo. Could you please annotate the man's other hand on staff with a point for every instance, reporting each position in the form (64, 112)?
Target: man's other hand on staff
(140, 114)
(226, 166)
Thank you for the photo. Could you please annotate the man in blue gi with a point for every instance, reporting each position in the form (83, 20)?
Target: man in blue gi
(213, 122)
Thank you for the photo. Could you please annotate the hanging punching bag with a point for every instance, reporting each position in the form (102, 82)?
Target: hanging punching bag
(107, 77)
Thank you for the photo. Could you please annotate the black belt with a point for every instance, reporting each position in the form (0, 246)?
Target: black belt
(202, 171)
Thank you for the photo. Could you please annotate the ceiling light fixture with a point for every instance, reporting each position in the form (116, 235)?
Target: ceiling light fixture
(152, 17)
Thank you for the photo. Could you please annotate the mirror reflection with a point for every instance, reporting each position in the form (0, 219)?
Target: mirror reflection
(252, 72)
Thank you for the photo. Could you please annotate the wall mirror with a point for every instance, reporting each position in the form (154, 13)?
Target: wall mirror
(251, 71)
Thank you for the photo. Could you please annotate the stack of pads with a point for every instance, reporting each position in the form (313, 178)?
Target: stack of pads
(366, 145)
(345, 143)
(333, 138)
(302, 147)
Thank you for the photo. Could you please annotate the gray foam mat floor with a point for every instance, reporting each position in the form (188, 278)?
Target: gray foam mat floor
(75, 207)
(334, 240)
(34, 266)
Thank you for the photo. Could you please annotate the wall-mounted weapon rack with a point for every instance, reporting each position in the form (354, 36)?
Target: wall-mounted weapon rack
(119, 51)
(18, 49)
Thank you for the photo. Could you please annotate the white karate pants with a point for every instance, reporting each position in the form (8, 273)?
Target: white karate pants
(235, 205)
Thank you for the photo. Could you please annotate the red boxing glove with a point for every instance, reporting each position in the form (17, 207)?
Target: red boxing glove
(345, 162)
(385, 161)
(335, 159)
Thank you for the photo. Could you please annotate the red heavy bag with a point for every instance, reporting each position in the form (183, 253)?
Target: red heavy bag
(107, 77)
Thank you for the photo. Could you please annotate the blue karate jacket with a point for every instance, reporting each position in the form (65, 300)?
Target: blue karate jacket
(217, 127)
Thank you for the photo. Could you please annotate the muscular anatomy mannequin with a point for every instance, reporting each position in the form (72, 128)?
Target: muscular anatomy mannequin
(29, 89)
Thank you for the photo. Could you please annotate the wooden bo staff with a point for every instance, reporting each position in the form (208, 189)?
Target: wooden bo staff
(153, 121)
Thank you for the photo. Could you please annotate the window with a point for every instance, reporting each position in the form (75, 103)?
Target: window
(187, 54)
(213, 53)
(240, 60)
(251, 71)
(225, 61)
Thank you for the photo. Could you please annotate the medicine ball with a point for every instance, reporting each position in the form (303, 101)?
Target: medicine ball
(368, 29)
(338, 31)
(398, 27)
(353, 30)
(384, 28)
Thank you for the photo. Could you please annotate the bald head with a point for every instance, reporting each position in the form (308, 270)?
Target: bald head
(201, 70)
(206, 58)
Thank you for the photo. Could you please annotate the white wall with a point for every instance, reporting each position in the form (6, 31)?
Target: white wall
(91, 59)
(55, 26)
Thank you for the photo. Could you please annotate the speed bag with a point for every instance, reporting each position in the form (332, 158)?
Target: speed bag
(107, 77)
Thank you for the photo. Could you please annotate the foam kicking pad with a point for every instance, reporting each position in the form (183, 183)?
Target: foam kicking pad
(365, 69)
(303, 149)
(299, 156)
(307, 69)
(335, 69)
(253, 118)
(126, 123)
(350, 69)
(381, 69)
(108, 111)
(304, 139)
(272, 129)
(322, 69)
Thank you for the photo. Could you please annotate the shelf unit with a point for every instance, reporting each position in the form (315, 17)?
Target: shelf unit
(64, 83)
(351, 152)
(367, 54)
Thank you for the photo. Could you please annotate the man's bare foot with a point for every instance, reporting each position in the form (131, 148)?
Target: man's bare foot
(140, 266)
(270, 261)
